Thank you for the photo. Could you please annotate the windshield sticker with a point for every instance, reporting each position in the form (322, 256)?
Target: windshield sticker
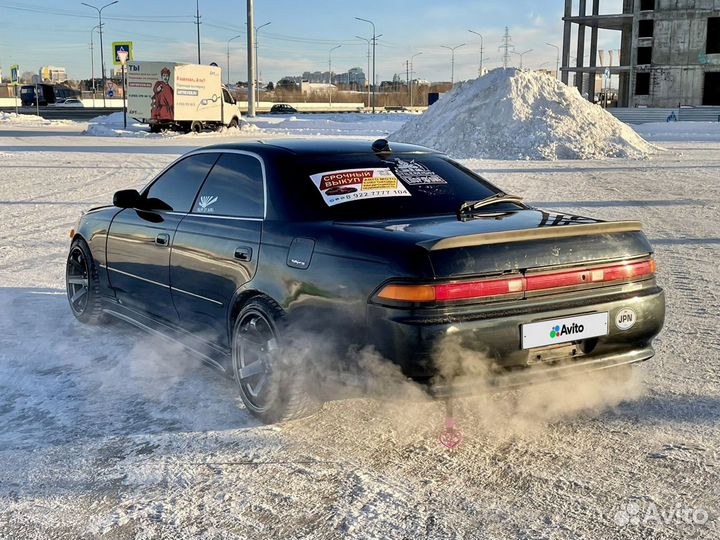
(416, 174)
(356, 184)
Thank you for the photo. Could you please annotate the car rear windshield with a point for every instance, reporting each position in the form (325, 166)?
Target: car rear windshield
(362, 187)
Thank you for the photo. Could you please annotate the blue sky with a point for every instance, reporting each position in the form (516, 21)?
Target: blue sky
(57, 32)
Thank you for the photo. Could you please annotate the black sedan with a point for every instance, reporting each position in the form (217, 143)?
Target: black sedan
(251, 254)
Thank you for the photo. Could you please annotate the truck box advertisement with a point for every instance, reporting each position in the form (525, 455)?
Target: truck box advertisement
(169, 92)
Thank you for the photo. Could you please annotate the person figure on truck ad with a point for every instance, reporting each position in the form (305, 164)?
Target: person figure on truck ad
(163, 98)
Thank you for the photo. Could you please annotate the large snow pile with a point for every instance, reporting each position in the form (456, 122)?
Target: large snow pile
(514, 114)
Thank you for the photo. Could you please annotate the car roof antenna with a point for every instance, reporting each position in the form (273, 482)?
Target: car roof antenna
(381, 146)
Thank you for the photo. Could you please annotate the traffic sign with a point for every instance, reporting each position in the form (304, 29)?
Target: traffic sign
(607, 72)
(120, 47)
(15, 75)
(110, 93)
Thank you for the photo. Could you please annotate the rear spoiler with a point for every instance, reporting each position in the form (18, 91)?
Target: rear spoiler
(504, 237)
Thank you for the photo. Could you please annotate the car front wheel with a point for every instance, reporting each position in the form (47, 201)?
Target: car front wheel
(272, 386)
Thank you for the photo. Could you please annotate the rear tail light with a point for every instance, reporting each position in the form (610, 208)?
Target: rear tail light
(512, 286)
(447, 292)
(573, 278)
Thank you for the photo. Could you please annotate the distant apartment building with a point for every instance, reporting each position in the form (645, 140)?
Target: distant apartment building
(669, 52)
(354, 76)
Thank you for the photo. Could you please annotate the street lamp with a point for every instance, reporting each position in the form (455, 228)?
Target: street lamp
(257, 68)
(374, 41)
(452, 69)
(368, 66)
(330, 72)
(480, 71)
(102, 57)
(92, 61)
(557, 60)
(228, 56)
(411, 76)
(521, 54)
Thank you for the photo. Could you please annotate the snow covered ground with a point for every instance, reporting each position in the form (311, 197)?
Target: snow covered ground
(106, 433)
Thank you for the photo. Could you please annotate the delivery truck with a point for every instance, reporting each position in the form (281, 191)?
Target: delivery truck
(184, 97)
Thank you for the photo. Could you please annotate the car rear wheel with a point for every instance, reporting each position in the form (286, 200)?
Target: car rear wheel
(272, 387)
(196, 127)
(82, 284)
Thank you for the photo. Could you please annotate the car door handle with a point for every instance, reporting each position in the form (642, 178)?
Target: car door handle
(243, 254)
(162, 239)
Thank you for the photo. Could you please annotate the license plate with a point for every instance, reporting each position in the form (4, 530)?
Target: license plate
(552, 331)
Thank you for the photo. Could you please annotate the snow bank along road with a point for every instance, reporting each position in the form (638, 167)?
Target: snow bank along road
(105, 433)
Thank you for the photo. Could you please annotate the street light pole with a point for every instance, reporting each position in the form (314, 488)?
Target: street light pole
(368, 67)
(257, 63)
(102, 56)
(557, 60)
(452, 63)
(330, 73)
(521, 54)
(92, 62)
(251, 58)
(480, 71)
(228, 57)
(412, 84)
(374, 42)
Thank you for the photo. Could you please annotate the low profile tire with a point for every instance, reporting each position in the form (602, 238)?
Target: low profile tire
(83, 285)
(233, 123)
(272, 388)
(196, 127)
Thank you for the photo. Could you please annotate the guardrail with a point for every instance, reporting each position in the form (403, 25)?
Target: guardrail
(638, 115)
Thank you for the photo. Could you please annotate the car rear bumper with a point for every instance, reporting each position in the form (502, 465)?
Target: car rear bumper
(467, 386)
(488, 340)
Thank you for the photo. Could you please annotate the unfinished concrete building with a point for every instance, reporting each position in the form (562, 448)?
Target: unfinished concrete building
(669, 51)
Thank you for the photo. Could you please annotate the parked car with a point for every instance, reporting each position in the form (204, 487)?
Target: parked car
(69, 102)
(252, 253)
(282, 108)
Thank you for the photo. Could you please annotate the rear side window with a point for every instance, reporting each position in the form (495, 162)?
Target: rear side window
(177, 187)
(361, 187)
(233, 188)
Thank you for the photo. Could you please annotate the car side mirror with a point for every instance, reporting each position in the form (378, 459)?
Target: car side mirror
(126, 198)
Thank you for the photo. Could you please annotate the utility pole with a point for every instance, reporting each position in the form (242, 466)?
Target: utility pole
(412, 84)
(480, 71)
(197, 23)
(257, 63)
(251, 58)
(452, 62)
(407, 77)
(506, 46)
(102, 56)
(368, 67)
(92, 62)
(374, 43)
(557, 59)
(330, 77)
(228, 57)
